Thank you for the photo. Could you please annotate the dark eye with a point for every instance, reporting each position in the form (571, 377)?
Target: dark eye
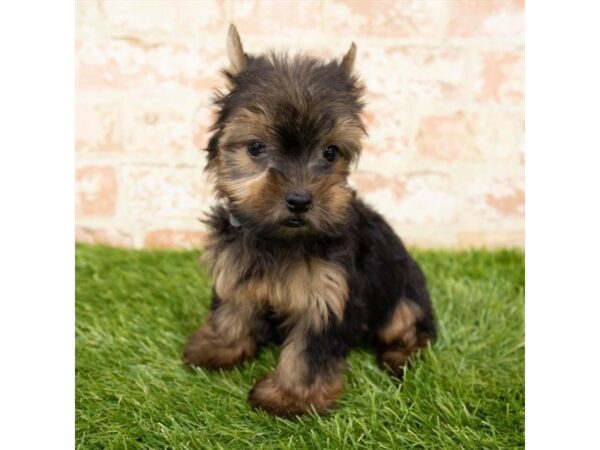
(255, 148)
(330, 153)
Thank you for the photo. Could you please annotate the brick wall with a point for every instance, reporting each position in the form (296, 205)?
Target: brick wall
(444, 159)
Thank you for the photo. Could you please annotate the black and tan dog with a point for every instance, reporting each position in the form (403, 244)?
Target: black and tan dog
(294, 256)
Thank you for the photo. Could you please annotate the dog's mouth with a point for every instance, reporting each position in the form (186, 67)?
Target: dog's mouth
(293, 222)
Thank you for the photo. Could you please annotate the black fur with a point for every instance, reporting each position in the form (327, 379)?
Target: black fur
(297, 107)
(380, 271)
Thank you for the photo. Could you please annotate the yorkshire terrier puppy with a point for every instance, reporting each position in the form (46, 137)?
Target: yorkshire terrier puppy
(295, 257)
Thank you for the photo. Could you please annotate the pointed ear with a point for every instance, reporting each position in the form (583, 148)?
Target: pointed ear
(348, 61)
(235, 51)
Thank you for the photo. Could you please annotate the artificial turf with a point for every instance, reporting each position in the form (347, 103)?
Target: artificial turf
(135, 310)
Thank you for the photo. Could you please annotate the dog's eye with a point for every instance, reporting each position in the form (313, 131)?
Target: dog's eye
(255, 148)
(330, 153)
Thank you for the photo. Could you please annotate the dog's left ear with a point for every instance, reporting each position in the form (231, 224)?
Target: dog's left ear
(348, 61)
(235, 51)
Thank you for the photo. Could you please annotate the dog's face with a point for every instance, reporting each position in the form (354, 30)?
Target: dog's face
(286, 135)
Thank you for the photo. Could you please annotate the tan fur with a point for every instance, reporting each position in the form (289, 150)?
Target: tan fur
(244, 190)
(347, 134)
(232, 322)
(246, 125)
(269, 395)
(398, 338)
(289, 391)
(312, 289)
(292, 371)
(240, 178)
(395, 357)
(286, 134)
(349, 57)
(235, 50)
(225, 340)
(402, 325)
(246, 182)
(333, 208)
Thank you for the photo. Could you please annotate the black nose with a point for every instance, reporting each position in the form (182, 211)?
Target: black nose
(299, 201)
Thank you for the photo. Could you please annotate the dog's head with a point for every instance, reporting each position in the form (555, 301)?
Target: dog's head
(287, 132)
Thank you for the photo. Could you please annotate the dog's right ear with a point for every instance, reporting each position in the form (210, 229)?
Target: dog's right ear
(235, 51)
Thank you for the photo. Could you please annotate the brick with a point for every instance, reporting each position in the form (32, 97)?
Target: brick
(469, 137)
(203, 118)
(168, 238)
(444, 157)
(499, 135)
(99, 126)
(489, 18)
(152, 17)
(96, 189)
(447, 137)
(491, 239)
(160, 193)
(283, 17)
(144, 65)
(161, 124)
(509, 204)
(369, 184)
(411, 199)
(501, 77)
(388, 141)
(428, 199)
(412, 73)
(415, 18)
(109, 237)
(292, 20)
(497, 197)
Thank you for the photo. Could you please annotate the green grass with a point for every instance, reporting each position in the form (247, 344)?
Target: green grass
(136, 308)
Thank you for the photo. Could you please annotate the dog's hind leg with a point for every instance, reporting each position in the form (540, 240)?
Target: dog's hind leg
(407, 330)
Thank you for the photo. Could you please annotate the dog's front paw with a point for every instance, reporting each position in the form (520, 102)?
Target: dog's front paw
(205, 349)
(269, 394)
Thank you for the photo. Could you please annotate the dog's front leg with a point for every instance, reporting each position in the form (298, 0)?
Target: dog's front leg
(309, 374)
(226, 339)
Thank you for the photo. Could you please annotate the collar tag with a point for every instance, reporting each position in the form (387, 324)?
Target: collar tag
(234, 222)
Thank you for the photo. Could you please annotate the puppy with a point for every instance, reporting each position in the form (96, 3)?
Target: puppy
(295, 257)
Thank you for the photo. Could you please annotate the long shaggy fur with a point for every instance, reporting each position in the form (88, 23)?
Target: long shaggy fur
(338, 276)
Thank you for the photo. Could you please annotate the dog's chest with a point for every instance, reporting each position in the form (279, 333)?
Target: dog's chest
(312, 288)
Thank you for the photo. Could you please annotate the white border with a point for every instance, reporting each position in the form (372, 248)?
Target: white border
(562, 225)
(36, 234)
(36, 226)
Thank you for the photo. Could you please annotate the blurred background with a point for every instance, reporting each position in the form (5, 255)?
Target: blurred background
(444, 159)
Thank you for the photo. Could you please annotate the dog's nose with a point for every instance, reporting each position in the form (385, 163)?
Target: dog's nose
(299, 201)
